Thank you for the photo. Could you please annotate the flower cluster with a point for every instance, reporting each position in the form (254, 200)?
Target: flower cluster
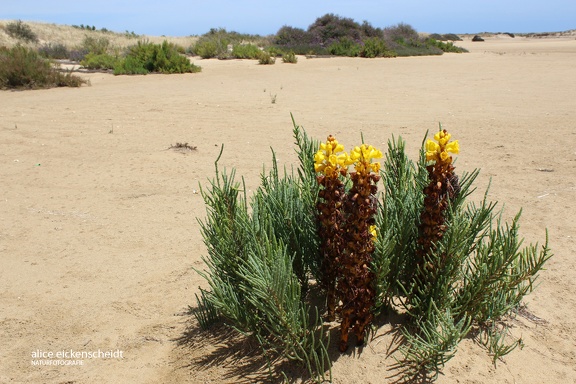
(347, 232)
(442, 188)
(438, 151)
(328, 160)
(362, 157)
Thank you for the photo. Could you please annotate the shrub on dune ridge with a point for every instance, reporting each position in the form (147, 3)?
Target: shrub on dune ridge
(20, 30)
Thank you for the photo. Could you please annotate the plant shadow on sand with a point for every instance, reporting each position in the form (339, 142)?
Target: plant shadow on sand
(240, 356)
(241, 360)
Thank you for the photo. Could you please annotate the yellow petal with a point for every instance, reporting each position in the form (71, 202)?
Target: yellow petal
(333, 159)
(453, 147)
(444, 156)
(432, 146)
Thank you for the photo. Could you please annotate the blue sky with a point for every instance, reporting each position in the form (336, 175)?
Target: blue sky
(194, 17)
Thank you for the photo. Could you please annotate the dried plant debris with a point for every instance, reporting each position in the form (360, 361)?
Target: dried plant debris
(182, 147)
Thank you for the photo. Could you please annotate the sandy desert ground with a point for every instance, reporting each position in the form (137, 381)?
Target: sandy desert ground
(99, 231)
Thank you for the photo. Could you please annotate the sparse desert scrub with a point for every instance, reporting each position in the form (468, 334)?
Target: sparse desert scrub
(290, 57)
(22, 67)
(322, 241)
(266, 59)
(54, 51)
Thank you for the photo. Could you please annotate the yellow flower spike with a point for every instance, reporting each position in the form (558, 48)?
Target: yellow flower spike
(327, 160)
(440, 151)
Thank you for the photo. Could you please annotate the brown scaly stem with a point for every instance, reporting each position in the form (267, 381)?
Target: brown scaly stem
(330, 218)
(331, 166)
(441, 189)
(355, 286)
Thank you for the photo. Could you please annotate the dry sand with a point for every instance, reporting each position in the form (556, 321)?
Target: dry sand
(98, 232)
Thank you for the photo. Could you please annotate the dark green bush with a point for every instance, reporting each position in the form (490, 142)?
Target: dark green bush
(330, 28)
(292, 36)
(21, 31)
(21, 67)
(54, 51)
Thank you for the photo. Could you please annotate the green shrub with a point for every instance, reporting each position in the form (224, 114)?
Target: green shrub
(208, 49)
(330, 28)
(130, 65)
(146, 57)
(292, 36)
(95, 45)
(401, 33)
(445, 46)
(289, 57)
(21, 31)
(345, 47)
(99, 61)
(375, 47)
(21, 67)
(246, 51)
(266, 59)
(215, 43)
(54, 51)
(452, 267)
(259, 250)
(274, 51)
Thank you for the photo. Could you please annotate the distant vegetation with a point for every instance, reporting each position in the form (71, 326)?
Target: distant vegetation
(21, 31)
(22, 67)
(328, 35)
(100, 49)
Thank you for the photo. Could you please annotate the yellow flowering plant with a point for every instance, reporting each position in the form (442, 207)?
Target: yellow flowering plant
(347, 233)
(446, 264)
